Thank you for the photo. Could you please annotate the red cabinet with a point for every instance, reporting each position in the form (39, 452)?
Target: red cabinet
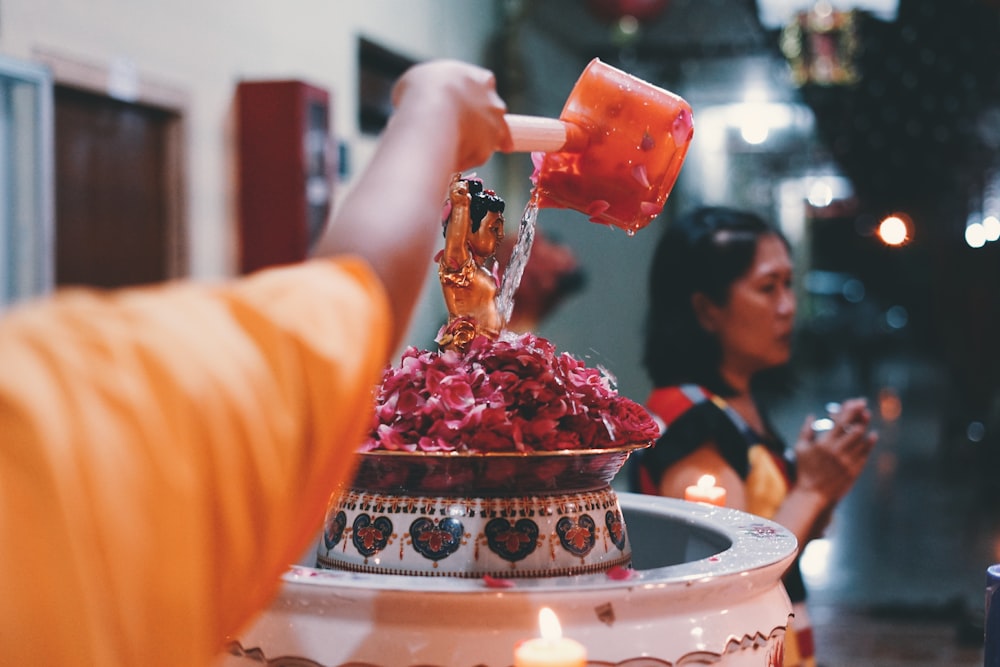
(286, 170)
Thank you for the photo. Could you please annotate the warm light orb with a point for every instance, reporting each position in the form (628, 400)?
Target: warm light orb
(893, 230)
(706, 482)
(890, 407)
(705, 491)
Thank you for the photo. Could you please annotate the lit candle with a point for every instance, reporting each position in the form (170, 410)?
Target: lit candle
(551, 649)
(705, 491)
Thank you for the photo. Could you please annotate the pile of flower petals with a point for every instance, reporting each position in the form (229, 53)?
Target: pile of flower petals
(511, 394)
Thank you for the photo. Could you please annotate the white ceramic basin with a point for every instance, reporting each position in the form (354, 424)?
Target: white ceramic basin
(705, 589)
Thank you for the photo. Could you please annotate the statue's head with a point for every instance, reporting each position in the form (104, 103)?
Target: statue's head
(483, 202)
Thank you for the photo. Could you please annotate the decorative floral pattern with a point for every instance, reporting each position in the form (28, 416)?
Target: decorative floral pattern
(436, 540)
(511, 542)
(761, 530)
(370, 537)
(512, 394)
(536, 535)
(577, 537)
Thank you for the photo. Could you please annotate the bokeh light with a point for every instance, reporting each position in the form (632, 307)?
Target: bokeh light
(975, 235)
(894, 230)
(754, 130)
(820, 193)
(991, 225)
(815, 562)
(890, 407)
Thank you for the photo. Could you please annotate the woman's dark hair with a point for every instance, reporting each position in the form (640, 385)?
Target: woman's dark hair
(703, 251)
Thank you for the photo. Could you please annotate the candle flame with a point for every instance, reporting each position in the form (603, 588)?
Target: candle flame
(548, 624)
(706, 482)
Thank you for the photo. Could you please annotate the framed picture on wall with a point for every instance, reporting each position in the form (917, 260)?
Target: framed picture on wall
(378, 69)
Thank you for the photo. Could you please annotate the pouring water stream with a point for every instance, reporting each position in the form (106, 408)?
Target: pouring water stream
(511, 279)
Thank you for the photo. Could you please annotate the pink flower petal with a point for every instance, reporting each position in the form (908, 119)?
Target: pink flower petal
(650, 208)
(682, 128)
(493, 582)
(619, 573)
(639, 174)
(536, 160)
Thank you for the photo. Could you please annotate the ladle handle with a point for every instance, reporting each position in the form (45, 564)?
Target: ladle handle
(545, 135)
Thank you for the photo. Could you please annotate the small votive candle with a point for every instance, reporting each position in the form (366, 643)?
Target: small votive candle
(551, 649)
(705, 491)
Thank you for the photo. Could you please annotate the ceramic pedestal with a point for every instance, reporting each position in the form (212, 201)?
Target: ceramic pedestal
(502, 515)
(705, 589)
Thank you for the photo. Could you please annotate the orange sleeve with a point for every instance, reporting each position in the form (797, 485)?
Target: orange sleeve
(165, 454)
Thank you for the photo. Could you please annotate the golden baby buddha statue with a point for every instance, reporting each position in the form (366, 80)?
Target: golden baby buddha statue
(467, 267)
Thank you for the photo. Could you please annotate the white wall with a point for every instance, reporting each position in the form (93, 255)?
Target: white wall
(204, 48)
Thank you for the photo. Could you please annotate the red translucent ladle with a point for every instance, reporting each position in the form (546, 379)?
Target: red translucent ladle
(615, 151)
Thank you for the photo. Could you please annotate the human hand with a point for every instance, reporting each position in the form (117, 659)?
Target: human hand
(830, 462)
(465, 100)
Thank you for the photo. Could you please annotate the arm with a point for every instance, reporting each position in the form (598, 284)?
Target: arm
(448, 118)
(161, 475)
(456, 250)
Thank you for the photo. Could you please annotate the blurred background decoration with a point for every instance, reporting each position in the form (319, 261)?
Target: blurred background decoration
(870, 130)
(821, 45)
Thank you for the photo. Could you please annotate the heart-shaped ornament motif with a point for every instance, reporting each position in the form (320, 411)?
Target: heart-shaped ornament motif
(334, 529)
(512, 542)
(370, 537)
(616, 528)
(577, 537)
(436, 540)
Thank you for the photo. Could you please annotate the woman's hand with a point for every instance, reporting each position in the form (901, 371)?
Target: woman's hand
(829, 463)
(466, 92)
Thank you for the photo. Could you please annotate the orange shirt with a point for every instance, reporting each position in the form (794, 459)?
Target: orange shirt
(166, 452)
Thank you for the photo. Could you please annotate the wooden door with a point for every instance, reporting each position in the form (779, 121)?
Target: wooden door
(113, 208)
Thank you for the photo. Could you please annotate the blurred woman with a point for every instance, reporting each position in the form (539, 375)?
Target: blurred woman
(719, 332)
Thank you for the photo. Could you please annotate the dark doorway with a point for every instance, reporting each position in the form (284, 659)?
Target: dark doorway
(114, 208)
